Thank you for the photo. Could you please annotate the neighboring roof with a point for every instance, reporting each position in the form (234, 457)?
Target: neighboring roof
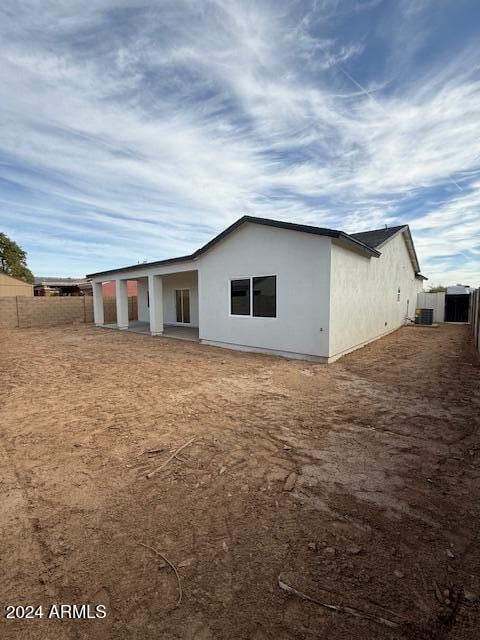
(458, 289)
(60, 282)
(290, 226)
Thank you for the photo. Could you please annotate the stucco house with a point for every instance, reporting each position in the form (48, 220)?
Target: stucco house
(277, 287)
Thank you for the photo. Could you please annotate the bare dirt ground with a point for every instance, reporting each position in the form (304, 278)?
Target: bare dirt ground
(383, 516)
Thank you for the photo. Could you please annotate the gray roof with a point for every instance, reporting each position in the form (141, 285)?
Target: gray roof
(303, 228)
(377, 237)
(367, 242)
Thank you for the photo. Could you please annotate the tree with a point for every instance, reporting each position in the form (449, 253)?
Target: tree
(437, 289)
(13, 260)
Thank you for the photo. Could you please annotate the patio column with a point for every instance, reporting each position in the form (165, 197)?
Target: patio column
(98, 313)
(155, 291)
(142, 299)
(121, 296)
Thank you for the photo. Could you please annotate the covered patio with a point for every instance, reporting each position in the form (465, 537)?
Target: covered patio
(167, 300)
(169, 331)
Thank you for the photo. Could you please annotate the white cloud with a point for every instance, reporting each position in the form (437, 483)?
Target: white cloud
(194, 113)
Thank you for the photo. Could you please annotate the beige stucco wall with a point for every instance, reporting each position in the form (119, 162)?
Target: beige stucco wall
(363, 303)
(13, 287)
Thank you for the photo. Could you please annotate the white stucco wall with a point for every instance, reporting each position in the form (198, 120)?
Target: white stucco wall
(186, 280)
(301, 263)
(330, 299)
(364, 302)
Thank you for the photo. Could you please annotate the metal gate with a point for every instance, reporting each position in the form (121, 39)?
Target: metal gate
(456, 307)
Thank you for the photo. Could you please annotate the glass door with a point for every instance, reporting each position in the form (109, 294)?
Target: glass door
(182, 301)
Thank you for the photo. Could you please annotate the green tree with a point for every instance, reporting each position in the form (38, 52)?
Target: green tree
(437, 289)
(13, 260)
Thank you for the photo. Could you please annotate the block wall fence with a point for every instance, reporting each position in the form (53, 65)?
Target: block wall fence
(24, 312)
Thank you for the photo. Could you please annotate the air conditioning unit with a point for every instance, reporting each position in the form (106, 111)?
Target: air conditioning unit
(423, 316)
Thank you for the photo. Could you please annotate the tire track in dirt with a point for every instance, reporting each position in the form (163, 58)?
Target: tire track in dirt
(25, 555)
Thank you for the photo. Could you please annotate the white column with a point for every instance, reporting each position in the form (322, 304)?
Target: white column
(98, 313)
(200, 305)
(155, 291)
(121, 296)
(142, 300)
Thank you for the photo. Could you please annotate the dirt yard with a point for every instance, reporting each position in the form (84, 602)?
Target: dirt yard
(381, 515)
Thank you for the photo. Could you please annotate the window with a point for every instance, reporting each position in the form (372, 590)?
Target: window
(398, 295)
(265, 297)
(256, 296)
(240, 297)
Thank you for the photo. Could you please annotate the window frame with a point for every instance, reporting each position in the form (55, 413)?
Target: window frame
(239, 315)
(250, 315)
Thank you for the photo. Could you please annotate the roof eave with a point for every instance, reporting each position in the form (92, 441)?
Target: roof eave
(360, 245)
(411, 248)
(142, 265)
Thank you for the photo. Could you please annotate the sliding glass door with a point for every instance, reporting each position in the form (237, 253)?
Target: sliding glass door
(182, 301)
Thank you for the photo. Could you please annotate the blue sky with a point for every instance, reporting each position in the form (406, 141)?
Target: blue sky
(136, 131)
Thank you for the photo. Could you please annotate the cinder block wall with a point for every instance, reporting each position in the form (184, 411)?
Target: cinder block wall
(8, 312)
(26, 312)
(110, 309)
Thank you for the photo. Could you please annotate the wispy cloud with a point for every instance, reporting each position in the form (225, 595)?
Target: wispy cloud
(135, 131)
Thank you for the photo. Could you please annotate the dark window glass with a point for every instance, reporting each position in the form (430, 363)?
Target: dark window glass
(178, 296)
(265, 296)
(186, 306)
(240, 297)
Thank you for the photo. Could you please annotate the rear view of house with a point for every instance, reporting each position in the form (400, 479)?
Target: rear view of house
(277, 287)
